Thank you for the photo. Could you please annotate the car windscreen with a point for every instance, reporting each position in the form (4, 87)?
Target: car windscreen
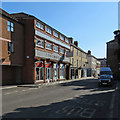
(105, 73)
(104, 77)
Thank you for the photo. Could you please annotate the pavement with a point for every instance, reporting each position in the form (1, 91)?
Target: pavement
(41, 84)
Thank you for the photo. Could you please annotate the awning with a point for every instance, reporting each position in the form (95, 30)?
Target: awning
(39, 64)
(49, 65)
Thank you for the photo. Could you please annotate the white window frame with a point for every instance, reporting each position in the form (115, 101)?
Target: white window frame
(10, 26)
(48, 30)
(42, 45)
(62, 37)
(50, 46)
(40, 25)
(56, 34)
(66, 40)
(55, 49)
(62, 50)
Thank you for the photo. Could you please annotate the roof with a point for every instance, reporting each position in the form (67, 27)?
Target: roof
(110, 41)
(28, 15)
(71, 44)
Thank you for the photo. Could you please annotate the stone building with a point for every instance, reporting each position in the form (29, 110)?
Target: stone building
(78, 59)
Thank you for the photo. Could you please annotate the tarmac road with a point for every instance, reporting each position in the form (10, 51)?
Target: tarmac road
(75, 99)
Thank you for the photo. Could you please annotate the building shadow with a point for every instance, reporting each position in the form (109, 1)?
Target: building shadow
(94, 105)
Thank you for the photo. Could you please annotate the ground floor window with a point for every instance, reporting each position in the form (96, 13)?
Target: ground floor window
(62, 72)
(56, 67)
(49, 73)
(39, 73)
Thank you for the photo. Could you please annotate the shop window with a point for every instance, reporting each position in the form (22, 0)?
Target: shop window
(62, 73)
(40, 43)
(49, 46)
(10, 26)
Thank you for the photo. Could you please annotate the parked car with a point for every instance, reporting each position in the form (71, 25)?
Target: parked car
(104, 80)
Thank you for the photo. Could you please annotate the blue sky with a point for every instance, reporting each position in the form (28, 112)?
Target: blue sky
(90, 23)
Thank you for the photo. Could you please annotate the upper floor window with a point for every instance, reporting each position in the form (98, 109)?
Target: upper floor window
(56, 34)
(56, 48)
(49, 46)
(80, 54)
(66, 39)
(48, 30)
(72, 61)
(62, 37)
(77, 63)
(77, 52)
(40, 25)
(10, 26)
(62, 50)
(40, 43)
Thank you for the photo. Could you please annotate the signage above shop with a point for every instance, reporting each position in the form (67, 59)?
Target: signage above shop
(51, 56)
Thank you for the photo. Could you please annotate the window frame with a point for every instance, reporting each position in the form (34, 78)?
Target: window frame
(48, 48)
(42, 42)
(10, 26)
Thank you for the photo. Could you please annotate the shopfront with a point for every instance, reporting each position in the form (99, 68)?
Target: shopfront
(49, 71)
(62, 71)
(56, 70)
(39, 71)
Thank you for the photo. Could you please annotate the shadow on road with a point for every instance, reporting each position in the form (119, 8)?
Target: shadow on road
(95, 104)
(88, 84)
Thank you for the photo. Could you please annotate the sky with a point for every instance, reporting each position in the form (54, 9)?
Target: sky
(90, 23)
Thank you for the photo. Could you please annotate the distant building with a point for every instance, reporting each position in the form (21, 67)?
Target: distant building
(93, 65)
(103, 62)
(78, 59)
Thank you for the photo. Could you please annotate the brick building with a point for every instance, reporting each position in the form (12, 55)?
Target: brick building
(12, 44)
(39, 50)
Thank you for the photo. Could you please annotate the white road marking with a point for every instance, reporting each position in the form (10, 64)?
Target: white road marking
(87, 113)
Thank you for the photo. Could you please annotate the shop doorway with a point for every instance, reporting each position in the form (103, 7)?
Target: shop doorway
(49, 74)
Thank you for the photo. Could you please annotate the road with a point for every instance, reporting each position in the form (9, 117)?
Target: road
(76, 99)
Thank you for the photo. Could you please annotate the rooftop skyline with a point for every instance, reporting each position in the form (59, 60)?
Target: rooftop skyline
(90, 23)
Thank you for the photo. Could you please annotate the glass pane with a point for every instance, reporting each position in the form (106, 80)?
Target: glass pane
(11, 24)
(8, 22)
(8, 28)
(12, 29)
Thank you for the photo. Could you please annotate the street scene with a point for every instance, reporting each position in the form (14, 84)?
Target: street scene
(60, 60)
(74, 99)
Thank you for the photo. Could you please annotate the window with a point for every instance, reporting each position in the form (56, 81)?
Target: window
(77, 52)
(62, 37)
(56, 34)
(56, 48)
(80, 54)
(77, 63)
(40, 43)
(72, 61)
(62, 50)
(48, 30)
(49, 46)
(10, 26)
(39, 25)
(67, 41)
(10, 47)
(73, 49)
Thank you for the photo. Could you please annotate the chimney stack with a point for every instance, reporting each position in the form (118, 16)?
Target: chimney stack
(76, 43)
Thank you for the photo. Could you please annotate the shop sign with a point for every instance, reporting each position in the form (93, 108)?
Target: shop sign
(52, 56)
